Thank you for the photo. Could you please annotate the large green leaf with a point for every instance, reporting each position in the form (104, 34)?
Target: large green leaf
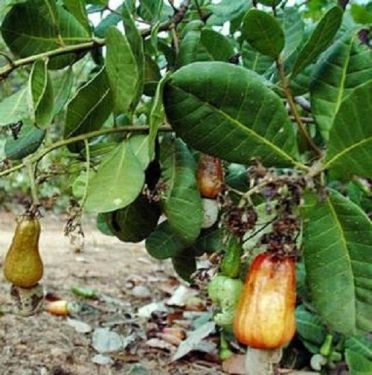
(294, 27)
(319, 40)
(361, 345)
(358, 365)
(89, 108)
(135, 222)
(182, 203)
(38, 26)
(263, 32)
(62, 89)
(347, 65)
(77, 9)
(309, 326)
(27, 142)
(225, 110)
(338, 260)
(184, 265)
(204, 45)
(14, 107)
(150, 10)
(254, 60)
(122, 70)
(118, 181)
(350, 139)
(41, 93)
(164, 242)
(136, 42)
(227, 10)
(157, 116)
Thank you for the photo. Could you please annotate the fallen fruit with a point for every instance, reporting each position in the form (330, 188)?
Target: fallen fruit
(209, 176)
(59, 308)
(23, 266)
(265, 316)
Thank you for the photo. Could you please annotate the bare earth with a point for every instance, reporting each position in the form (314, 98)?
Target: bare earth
(46, 344)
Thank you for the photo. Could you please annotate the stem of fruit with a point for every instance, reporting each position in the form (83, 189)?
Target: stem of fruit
(293, 108)
(262, 362)
(31, 175)
(64, 142)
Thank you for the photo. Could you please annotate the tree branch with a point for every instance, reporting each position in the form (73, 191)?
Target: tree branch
(75, 48)
(86, 46)
(293, 108)
(82, 137)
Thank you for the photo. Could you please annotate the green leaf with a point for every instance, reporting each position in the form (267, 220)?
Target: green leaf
(182, 203)
(226, 111)
(38, 26)
(102, 225)
(209, 241)
(122, 70)
(269, 3)
(164, 242)
(358, 365)
(294, 28)
(14, 108)
(41, 93)
(338, 261)
(227, 10)
(205, 45)
(89, 108)
(348, 64)
(309, 326)
(150, 10)
(118, 181)
(136, 42)
(263, 32)
(350, 138)
(361, 345)
(362, 13)
(62, 90)
(254, 60)
(28, 141)
(237, 177)
(157, 116)
(184, 265)
(77, 9)
(319, 40)
(111, 19)
(135, 222)
(139, 143)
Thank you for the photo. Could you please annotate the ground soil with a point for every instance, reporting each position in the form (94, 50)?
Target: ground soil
(46, 344)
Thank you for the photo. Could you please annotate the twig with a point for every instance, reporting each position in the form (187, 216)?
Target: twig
(292, 106)
(64, 142)
(77, 48)
(176, 19)
(86, 46)
(197, 5)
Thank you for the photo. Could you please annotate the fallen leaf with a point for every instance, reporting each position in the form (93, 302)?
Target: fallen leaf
(194, 339)
(147, 310)
(181, 295)
(106, 341)
(79, 326)
(102, 360)
(160, 344)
